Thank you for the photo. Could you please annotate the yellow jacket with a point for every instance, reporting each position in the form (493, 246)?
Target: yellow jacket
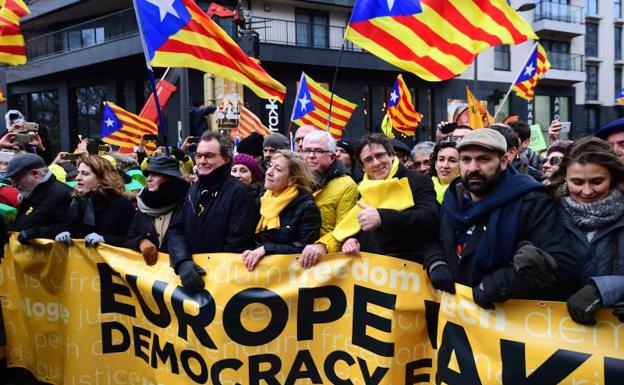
(335, 200)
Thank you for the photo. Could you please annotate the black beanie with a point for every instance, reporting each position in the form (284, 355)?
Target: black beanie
(251, 145)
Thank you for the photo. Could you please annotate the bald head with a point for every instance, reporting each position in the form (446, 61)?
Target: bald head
(300, 134)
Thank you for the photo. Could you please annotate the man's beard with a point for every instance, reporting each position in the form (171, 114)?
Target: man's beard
(484, 184)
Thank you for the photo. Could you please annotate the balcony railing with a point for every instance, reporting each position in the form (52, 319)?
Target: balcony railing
(547, 10)
(287, 32)
(93, 32)
(566, 61)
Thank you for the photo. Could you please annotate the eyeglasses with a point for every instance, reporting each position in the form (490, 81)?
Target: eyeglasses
(554, 160)
(379, 156)
(315, 151)
(207, 155)
(425, 163)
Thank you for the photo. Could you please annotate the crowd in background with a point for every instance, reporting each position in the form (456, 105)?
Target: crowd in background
(476, 207)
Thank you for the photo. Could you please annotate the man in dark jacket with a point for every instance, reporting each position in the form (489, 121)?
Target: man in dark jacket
(501, 233)
(215, 216)
(44, 200)
(397, 210)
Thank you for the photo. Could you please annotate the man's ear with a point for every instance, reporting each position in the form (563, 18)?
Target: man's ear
(504, 161)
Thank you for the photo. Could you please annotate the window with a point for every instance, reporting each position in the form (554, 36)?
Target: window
(591, 7)
(617, 9)
(89, 109)
(43, 108)
(312, 28)
(591, 40)
(558, 54)
(591, 86)
(592, 119)
(502, 58)
(617, 80)
(618, 43)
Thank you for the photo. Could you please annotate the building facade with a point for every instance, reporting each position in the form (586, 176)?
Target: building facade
(83, 52)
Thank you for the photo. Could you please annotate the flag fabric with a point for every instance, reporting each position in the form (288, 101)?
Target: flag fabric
(12, 46)
(532, 71)
(478, 115)
(125, 129)
(386, 126)
(248, 123)
(312, 107)
(404, 116)
(2, 98)
(434, 39)
(164, 90)
(177, 33)
(620, 97)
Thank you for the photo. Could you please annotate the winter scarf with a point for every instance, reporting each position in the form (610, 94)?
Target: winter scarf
(81, 213)
(596, 215)
(502, 206)
(163, 200)
(272, 205)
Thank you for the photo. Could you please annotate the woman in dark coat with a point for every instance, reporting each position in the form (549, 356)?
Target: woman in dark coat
(99, 211)
(289, 218)
(158, 204)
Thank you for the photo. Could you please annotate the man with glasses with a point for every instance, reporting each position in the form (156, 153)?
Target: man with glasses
(218, 214)
(397, 210)
(335, 195)
(421, 157)
(300, 134)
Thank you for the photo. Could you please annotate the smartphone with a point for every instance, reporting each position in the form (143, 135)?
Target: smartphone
(31, 126)
(565, 127)
(23, 138)
(193, 139)
(448, 128)
(151, 137)
(70, 156)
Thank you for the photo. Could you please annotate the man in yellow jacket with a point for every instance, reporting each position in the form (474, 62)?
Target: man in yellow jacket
(335, 196)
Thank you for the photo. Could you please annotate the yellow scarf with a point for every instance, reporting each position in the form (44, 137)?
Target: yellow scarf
(440, 188)
(271, 206)
(390, 193)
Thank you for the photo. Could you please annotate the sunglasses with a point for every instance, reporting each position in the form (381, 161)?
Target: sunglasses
(554, 160)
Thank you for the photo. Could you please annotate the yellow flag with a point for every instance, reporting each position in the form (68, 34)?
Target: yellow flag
(386, 126)
(477, 114)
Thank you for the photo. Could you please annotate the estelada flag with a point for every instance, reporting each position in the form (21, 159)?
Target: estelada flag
(312, 107)
(477, 114)
(401, 110)
(177, 33)
(534, 69)
(434, 39)
(125, 129)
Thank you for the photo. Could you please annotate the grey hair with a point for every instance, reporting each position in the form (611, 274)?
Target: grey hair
(322, 137)
(425, 147)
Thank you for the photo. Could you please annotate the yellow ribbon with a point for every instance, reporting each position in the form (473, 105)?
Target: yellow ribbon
(271, 206)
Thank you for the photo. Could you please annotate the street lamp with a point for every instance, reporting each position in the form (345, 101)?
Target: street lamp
(526, 7)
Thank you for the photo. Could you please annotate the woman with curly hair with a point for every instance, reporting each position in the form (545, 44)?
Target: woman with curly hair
(289, 218)
(590, 187)
(99, 211)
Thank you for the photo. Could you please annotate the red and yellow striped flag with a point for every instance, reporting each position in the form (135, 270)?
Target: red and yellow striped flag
(312, 107)
(12, 46)
(247, 124)
(125, 129)
(404, 116)
(2, 98)
(434, 39)
(184, 36)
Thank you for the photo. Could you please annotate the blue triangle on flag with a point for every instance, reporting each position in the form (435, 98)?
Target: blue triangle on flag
(395, 95)
(110, 122)
(303, 104)
(161, 20)
(369, 9)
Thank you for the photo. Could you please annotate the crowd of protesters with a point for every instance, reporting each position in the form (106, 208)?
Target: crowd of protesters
(476, 207)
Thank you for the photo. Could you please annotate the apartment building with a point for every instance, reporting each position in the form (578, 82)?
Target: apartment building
(82, 52)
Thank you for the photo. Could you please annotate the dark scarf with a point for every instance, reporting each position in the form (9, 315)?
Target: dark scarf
(502, 206)
(169, 193)
(81, 212)
(208, 185)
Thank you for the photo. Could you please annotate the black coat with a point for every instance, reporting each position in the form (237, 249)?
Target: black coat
(113, 215)
(44, 212)
(142, 227)
(217, 215)
(541, 224)
(402, 233)
(300, 225)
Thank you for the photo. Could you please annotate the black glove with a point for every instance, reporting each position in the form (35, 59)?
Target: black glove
(191, 276)
(619, 312)
(24, 236)
(178, 153)
(535, 265)
(583, 304)
(442, 278)
(480, 298)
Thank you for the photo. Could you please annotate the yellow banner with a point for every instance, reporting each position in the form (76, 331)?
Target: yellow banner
(101, 316)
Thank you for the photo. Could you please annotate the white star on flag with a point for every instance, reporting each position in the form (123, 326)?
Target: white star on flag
(109, 122)
(394, 97)
(165, 7)
(304, 102)
(390, 4)
(529, 69)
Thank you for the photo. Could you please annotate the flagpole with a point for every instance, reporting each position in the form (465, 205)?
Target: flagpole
(292, 113)
(500, 106)
(162, 124)
(333, 86)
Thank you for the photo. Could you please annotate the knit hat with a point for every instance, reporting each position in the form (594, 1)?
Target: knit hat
(276, 141)
(251, 164)
(251, 145)
(347, 145)
(400, 147)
